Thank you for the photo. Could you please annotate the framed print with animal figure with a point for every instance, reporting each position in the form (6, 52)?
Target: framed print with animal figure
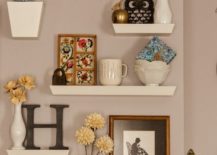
(140, 135)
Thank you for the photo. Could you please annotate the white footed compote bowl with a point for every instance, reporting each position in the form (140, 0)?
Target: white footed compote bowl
(151, 73)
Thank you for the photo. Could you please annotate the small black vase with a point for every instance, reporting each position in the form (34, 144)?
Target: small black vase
(59, 77)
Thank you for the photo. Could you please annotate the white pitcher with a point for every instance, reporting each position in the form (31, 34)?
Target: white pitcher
(112, 71)
(163, 13)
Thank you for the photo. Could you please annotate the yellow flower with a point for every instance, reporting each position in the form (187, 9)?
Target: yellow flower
(94, 121)
(11, 85)
(104, 144)
(85, 136)
(18, 96)
(27, 82)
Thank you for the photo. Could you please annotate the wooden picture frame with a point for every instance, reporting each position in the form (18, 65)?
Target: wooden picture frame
(77, 55)
(152, 133)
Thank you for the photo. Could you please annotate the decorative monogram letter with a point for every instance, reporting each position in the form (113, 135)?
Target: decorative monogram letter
(31, 126)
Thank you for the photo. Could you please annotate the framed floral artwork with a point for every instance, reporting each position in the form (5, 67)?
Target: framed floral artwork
(77, 57)
(140, 135)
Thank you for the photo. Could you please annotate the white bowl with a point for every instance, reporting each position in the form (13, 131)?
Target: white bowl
(151, 65)
(143, 67)
(152, 75)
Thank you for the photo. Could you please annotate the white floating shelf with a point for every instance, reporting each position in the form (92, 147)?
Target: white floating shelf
(143, 28)
(114, 90)
(25, 18)
(38, 152)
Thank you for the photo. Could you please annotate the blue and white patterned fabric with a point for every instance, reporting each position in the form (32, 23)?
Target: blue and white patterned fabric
(154, 46)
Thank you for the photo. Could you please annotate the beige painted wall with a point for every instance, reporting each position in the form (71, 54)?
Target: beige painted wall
(200, 76)
(38, 57)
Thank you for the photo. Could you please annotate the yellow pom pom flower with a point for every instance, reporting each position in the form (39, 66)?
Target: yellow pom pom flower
(94, 121)
(85, 136)
(104, 144)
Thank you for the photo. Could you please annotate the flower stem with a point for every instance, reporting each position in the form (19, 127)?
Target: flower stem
(92, 147)
(85, 149)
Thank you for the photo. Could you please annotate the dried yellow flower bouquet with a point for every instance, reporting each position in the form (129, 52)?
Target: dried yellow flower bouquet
(86, 135)
(17, 89)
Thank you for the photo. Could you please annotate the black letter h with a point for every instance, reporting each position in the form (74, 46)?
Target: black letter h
(31, 126)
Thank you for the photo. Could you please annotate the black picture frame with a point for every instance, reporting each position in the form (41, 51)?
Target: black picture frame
(158, 126)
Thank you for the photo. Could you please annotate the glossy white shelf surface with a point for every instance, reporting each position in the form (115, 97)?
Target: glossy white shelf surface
(38, 152)
(114, 90)
(143, 28)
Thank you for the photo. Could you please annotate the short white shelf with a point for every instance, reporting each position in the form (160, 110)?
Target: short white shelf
(38, 152)
(114, 90)
(143, 28)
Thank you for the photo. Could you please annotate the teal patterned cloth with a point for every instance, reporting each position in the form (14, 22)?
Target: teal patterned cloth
(155, 46)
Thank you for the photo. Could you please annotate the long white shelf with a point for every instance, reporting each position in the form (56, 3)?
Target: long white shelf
(38, 152)
(143, 28)
(114, 90)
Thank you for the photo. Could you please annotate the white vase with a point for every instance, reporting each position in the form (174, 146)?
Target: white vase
(18, 129)
(163, 13)
(25, 18)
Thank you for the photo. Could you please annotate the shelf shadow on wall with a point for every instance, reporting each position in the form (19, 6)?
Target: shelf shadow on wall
(106, 22)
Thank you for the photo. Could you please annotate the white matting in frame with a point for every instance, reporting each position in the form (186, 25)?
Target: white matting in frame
(138, 142)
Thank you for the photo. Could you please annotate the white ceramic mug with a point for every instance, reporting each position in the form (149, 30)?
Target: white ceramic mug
(112, 71)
